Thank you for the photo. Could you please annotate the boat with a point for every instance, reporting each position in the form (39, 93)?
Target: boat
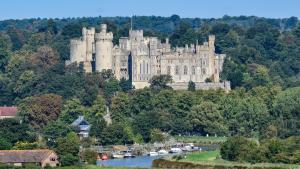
(176, 150)
(104, 157)
(118, 154)
(128, 154)
(162, 152)
(153, 153)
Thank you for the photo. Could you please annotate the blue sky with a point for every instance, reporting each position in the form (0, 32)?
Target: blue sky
(18, 9)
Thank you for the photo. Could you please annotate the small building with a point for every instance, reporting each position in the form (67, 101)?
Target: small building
(83, 125)
(8, 112)
(41, 157)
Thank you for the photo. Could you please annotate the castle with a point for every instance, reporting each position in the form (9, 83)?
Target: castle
(139, 58)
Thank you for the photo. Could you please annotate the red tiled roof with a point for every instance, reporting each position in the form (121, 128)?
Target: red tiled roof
(8, 111)
(24, 156)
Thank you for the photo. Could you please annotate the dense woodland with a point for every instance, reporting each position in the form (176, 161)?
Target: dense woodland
(263, 64)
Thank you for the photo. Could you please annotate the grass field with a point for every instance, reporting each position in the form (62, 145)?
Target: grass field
(200, 139)
(212, 158)
(203, 156)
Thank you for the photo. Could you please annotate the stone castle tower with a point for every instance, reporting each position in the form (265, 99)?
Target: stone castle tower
(139, 58)
(104, 49)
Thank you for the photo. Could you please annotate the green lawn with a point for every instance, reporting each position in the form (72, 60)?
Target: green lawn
(201, 139)
(203, 156)
(211, 158)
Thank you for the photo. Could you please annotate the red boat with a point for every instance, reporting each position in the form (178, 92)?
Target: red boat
(104, 157)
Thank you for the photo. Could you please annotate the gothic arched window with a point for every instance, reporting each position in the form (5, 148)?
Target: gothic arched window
(193, 70)
(169, 70)
(177, 70)
(185, 70)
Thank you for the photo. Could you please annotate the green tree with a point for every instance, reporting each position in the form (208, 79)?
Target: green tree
(191, 86)
(24, 145)
(68, 149)
(285, 109)
(125, 85)
(120, 107)
(111, 86)
(89, 156)
(16, 131)
(4, 144)
(207, 119)
(159, 82)
(71, 110)
(55, 130)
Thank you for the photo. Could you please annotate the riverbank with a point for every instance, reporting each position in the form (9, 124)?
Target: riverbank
(211, 160)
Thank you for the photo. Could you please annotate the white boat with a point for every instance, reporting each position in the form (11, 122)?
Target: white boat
(129, 154)
(176, 150)
(153, 153)
(118, 155)
(162, 152)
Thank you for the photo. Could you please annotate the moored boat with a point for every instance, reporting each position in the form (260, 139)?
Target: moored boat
(162, 152)
(153, 153)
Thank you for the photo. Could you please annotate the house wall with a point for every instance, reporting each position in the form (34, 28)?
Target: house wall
(49, 162)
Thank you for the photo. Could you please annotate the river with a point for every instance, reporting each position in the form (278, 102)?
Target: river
(140, 161)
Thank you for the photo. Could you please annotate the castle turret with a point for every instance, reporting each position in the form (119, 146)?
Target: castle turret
(211, 41)
(104, 49)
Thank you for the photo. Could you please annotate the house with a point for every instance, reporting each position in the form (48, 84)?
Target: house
(41, 157)
(83, 125)
(8, 112)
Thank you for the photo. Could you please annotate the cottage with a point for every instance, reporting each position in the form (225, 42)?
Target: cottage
(83, 125)
(8, 112)
(42, 157)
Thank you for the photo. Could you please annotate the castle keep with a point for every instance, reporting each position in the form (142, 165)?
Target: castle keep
(138, 58)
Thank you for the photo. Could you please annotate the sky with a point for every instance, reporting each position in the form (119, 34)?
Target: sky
(19, 9)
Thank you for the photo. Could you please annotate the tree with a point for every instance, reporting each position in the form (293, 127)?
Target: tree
(156, 135)
(113, 134)
(207, 119)
(68, 149)
(4, 144)
(89, 156)
(125, 85)
(285, 109)
(120, 107)
(159, 82)
(24, 145)
(55, 130)
(238, 149)
(246, 116)
(16, 131)
(40, 110)
(111, 86)
(71, 110)
(45, 58)
(98, 109)
(191, 86)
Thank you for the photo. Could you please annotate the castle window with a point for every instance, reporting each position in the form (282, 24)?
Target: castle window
(177, 70)
(203, 71)
(169, 70)
(140, 68)
(193, 70)
(185, 70)
(147, 69)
